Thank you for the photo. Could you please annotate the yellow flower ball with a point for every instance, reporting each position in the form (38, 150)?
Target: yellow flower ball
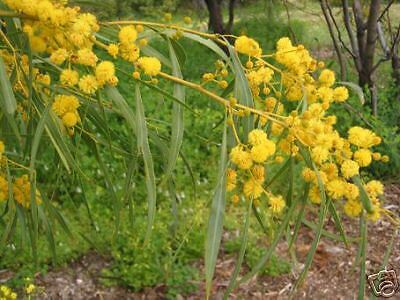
(363, 157)
(319, 154)
(86, 57)
(375, 215)
(129, 52)
(257, 137)
(127, 34)
(241, 158)
(69, 77)
(362, 137)
(374, 188)
(261, 152)
(88, 84)
(276, 204)
(248, 46)
(252, 189)
(59, 56)
(327, 78)
(113, 50)
(352, 208)
(340, 94)
(235, 199)
(187, 20)
(349, 168)
(258, 173)
(105, 71)
(150, 65)
(69, 119)
(336, 188)
(351, 192)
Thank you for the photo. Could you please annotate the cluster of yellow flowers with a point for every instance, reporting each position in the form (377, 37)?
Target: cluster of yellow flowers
(6, 293)
(21, 189)
(67, 36)
(338, 160)
(250, 162)
(66, 107)
(218, 77)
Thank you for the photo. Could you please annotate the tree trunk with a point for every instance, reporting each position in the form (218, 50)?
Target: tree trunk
(229, 26)
(396, 73)
(216, 21)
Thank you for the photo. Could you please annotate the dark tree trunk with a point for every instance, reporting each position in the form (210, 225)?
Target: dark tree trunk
(216, 20)
(229, 26)
(396, 73)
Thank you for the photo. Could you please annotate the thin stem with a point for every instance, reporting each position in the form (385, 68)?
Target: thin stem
(215, 37)
(221, 100)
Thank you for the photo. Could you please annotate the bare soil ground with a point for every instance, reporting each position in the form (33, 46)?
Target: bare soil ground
(333, 274)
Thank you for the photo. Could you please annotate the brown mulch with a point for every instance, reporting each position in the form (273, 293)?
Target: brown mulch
(333, 274)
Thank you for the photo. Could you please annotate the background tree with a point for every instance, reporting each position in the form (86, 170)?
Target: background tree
(216, 20)
(364, 31)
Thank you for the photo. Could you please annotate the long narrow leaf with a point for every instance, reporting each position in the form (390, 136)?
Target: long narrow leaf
(144, 148)
(242, 251)
(177, 115)
(216, 219)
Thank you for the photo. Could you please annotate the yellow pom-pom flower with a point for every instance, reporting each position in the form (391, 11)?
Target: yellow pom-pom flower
(113, 50)
(88, 84)
(340, 94)
(327, 78)
(59, 56)
(248, 46)
(252, 189)
(105, 71)
(362, 137)
(150, 65)
(276, 204)
(70, 119)
(257, 137)
(261, 152)
(352, 208)
(349, 168)
(374, 188)
(336, 188)
(363, 157)
(241, 158)
(69, 77)
(86, 57)
(127, 34)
